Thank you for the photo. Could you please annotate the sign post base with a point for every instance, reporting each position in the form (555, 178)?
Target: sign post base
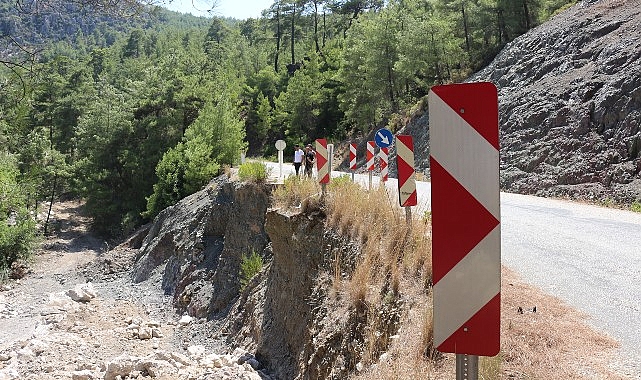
(467, 367)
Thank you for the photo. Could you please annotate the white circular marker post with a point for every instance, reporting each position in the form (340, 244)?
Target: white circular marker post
(280, 145)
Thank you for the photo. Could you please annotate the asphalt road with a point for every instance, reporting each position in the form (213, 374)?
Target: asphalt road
(588, 256)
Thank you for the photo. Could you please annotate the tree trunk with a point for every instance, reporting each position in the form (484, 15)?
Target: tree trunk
(503, 35)
(324, 28)
(292, 39)
(316, 26)
(53, 193)
(278, 37)
(526, 15)
(465, 30)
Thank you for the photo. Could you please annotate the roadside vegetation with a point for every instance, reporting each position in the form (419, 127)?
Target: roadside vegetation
(250, 265)
(17, 224)
(395, 268)
(253, 171)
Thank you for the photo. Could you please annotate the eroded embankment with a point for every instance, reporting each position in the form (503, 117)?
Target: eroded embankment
(292, 315)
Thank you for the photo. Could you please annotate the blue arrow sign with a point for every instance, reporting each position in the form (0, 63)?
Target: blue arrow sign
(383, 138)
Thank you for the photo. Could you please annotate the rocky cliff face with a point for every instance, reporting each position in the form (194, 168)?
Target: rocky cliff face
(570, 104)
(287, 315)
(198, 244)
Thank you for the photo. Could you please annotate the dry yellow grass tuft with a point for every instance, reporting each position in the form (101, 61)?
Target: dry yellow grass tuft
(392, 249)
(395, 263)
(294, 192)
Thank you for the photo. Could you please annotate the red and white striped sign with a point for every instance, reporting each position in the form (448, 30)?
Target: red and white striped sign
(466, 229)
(371, 146)
(406, 176)
(352, 156)
(321, 161)
(383, 154)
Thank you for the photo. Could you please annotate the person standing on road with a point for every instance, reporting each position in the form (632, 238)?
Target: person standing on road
(310, 158)
(299, 155)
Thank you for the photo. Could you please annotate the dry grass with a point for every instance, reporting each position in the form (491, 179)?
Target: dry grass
(553, 343)
(294, 192)
(391, 250)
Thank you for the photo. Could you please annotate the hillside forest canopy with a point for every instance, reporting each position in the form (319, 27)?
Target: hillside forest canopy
(133, 111)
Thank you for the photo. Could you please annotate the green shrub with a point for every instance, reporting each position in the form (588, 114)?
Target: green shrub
(253, 171)
(17, 227)
(249, 267)
(16, 240)
(342, 180)
(636, 206)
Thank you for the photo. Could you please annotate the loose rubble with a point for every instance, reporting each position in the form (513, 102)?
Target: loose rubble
(58, 323)
(59, 339)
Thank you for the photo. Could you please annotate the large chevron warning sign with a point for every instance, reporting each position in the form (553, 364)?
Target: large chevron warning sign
(466, 229)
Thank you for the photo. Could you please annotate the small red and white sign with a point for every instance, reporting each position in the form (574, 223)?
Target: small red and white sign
(371, 146)
(466, 229)
(352, 156)
(322, 164)
(383, 155)
(406, 176)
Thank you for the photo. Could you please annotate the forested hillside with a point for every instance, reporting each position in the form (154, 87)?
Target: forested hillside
(135, 110)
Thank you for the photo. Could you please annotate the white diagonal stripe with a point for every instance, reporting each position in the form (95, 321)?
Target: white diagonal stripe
(465, 154)
(469, 286)
(404, 152)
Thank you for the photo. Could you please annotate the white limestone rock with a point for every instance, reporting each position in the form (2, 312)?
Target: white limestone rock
(82, 292)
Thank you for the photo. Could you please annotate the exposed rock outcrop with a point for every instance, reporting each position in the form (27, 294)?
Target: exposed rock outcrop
(198, 244)
(298, 325)
(570, 104)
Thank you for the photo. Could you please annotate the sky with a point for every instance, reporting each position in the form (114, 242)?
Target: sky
(240, 9)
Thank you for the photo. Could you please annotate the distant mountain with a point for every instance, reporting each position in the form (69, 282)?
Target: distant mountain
(31, 23)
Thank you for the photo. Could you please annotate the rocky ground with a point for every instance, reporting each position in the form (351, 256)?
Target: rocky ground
(74, 315)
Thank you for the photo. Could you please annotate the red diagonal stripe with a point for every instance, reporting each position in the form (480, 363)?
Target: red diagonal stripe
(478, 109)
(459, 221)
(481, 335)
(411, 200)
(404, 171)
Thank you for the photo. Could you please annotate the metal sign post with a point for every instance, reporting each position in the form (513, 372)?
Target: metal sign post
(467, 367)
(280, 145)
(370, 161)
